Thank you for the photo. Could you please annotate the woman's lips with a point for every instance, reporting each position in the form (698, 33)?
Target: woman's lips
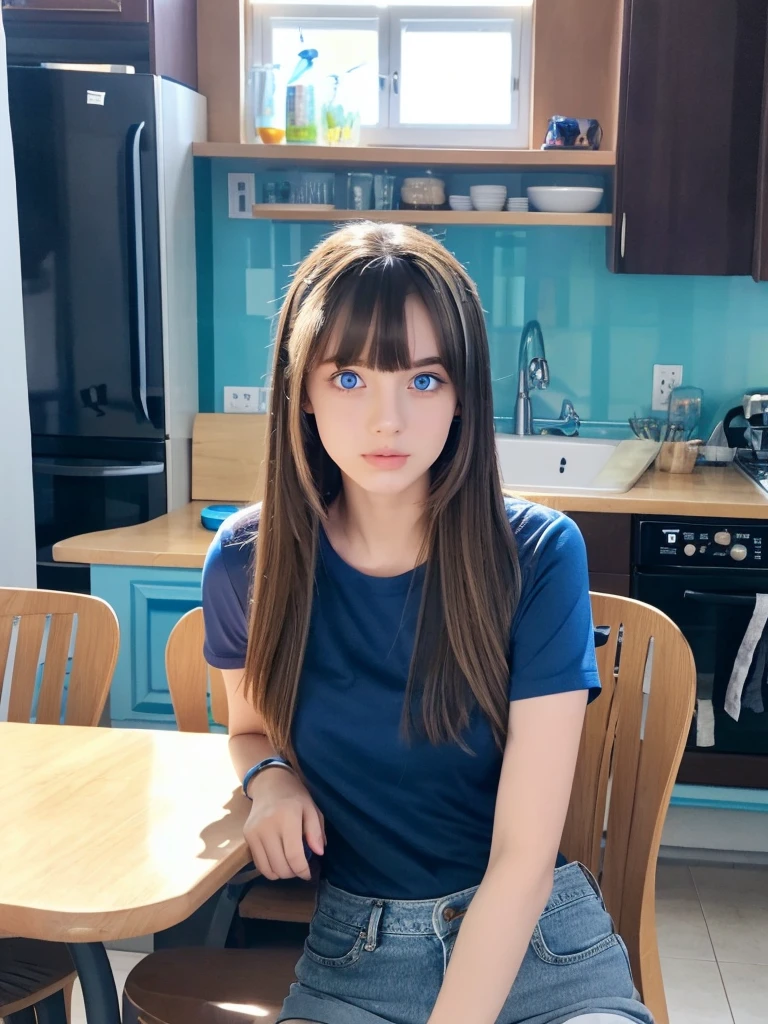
(393, 461)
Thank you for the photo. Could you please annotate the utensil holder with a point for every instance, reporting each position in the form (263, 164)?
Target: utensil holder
(678, 456)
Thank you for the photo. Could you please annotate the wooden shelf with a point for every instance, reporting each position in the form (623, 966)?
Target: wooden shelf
(388, 156)
(456, 217)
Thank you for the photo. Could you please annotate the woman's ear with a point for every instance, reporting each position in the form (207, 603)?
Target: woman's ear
(306, 406)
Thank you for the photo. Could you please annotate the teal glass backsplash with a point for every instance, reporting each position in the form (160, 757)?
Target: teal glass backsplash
(603, 332)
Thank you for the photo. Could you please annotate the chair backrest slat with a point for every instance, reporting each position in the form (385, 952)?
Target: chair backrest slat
(190, 678)
(93, 661)
(6, 629)
(26, 662)
(56, 655)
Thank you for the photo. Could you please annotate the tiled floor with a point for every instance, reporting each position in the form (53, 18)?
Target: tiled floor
(713, 938)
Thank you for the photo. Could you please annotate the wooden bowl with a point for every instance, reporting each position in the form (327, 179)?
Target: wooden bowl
(678, 456)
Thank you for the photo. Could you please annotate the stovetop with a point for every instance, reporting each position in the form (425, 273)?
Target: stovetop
(754, 464)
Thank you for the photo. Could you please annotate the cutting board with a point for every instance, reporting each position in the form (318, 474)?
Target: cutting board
(228, 452)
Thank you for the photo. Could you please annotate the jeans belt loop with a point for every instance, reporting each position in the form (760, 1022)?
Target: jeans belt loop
(373, 925)
(591, 879)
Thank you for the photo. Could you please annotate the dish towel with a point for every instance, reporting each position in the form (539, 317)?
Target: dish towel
(752, 698)
(753, 635)
(705, 723)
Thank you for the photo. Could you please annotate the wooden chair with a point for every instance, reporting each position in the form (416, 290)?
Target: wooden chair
(631, 748)
(191, 681)
(36, 978)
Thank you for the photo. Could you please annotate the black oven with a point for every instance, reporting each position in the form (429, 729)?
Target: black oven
(704, 574)
(78, 490)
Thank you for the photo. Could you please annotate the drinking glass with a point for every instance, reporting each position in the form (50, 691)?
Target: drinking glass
(383, 191)
(359, 187)
(268, 99)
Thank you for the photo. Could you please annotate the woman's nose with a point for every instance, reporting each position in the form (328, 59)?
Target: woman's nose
(386, 410)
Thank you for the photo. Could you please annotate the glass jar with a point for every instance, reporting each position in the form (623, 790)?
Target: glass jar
(267, 92)
(340, 112)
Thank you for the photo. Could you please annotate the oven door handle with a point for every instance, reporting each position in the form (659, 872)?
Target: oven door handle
(72, 469)
(704, 598)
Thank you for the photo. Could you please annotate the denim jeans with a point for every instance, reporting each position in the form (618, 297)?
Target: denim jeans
(369, 961)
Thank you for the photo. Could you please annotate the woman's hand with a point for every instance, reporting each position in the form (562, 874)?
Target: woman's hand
(283, 816)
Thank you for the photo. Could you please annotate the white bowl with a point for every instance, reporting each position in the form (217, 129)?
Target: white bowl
(489, 205)
(565, 198)
(488, 190)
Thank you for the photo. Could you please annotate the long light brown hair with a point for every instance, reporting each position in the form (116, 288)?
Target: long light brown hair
(353, 286)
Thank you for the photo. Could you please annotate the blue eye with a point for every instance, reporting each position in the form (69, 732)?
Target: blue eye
(348, 380)
(422, 382)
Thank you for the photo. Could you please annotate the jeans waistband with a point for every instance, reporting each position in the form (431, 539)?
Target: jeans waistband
(435, 916)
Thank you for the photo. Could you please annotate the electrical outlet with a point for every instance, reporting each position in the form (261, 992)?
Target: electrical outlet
(241, 190)
(246, 399)
(665, 378)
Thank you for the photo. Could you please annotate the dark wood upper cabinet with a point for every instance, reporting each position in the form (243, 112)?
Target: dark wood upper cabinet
(81, 10)
(689, 137)
(760, 262)
(155, 36)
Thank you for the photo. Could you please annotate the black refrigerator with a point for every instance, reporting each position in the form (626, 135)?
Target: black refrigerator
(106, 223)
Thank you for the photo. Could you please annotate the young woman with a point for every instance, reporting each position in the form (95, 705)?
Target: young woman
(408, 657)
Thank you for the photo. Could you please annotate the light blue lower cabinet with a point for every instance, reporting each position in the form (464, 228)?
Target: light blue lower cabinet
(148, 603)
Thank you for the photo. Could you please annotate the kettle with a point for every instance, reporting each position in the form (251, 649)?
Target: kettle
(755, 407)
(753, 412)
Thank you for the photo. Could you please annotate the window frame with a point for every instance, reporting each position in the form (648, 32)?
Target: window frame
(389, 131)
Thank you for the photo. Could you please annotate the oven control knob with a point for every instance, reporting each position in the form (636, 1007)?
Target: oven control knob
(723, 537)
(738, 552)
(690, 549)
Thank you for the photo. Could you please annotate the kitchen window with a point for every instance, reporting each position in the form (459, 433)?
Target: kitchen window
(431, 75)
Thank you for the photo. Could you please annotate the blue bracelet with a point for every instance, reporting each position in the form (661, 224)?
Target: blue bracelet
(268, 762)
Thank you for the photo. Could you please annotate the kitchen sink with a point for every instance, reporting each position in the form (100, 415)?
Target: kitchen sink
(548, 463)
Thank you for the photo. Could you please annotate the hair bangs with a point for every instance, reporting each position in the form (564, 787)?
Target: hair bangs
(364, 316)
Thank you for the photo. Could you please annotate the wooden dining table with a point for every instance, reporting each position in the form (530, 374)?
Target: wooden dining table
(109, 834)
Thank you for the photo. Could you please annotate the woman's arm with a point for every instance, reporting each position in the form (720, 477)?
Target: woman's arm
(532, 802)
(247, 743)
(283, 813)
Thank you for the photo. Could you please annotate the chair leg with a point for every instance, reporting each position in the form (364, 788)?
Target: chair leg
(223, 915)
(52, 1010)
(68, 991)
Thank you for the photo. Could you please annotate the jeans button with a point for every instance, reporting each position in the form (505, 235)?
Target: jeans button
(448, 914)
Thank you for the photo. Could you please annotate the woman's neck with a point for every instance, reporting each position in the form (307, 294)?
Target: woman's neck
(379, 535)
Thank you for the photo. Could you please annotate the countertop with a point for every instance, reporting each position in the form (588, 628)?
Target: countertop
(178, 540)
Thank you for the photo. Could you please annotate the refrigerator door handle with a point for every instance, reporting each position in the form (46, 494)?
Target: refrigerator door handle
(73, 469)
(134, 168)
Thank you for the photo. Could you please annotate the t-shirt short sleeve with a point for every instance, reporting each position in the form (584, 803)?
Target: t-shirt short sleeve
(552, 642)
(225, 596)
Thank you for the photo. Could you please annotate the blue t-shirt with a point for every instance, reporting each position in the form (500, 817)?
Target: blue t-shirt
(405, 822)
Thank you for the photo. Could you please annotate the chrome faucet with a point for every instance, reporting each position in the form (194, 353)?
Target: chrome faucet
(533, 372)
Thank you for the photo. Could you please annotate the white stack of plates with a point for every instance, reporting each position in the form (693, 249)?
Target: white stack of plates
(460, 202)
(518, 204)
(488, 197)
